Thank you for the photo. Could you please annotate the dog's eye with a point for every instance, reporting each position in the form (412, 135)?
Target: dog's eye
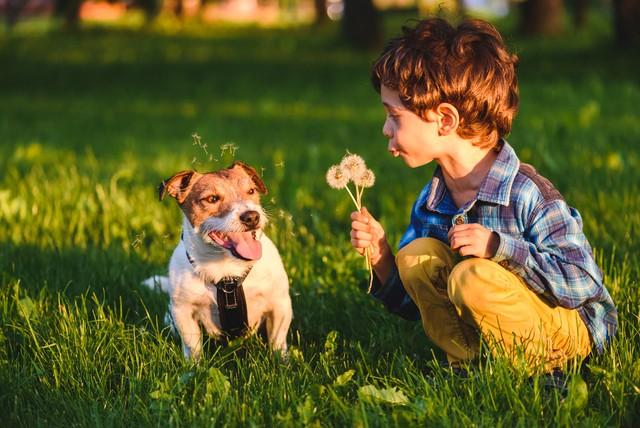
(251, 191)
(212, 199)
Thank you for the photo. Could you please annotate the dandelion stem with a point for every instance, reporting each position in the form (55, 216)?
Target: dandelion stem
(367, 254)
(360, 193)
(352, 197)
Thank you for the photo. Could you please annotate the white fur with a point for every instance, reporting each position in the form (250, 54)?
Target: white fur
(193, 298)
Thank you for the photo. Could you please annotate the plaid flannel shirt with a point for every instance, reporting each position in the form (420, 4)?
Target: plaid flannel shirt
(541, 240)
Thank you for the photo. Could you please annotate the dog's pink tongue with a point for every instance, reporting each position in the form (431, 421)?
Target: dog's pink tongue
(245, 245)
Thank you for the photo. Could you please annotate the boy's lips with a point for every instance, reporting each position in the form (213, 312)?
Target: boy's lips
(243, 245)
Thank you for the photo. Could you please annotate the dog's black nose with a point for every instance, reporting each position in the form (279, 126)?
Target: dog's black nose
(250, 218)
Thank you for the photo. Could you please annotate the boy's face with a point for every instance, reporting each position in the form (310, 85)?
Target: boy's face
(410, 137)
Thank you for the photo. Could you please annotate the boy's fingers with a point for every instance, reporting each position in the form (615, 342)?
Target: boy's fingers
(358, 225)
(463, 227)
(465, 250)
(369, 218)
(356, 215)
(456, 234)
(460, 241)
(361, 235)
(360, 244)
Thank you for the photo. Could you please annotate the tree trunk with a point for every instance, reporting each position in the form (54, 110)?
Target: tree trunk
(461, 9)
(178, 9)
(69, 10)
(320, 7)
(361, 24)
(580, 8)
(542, 17)
(13, 10)
(627, 22)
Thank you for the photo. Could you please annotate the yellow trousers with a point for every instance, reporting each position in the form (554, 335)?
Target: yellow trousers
(459, 300)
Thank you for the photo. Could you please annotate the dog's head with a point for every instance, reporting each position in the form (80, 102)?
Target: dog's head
(223, 206)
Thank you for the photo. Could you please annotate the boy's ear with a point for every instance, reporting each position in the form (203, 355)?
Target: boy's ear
(253, 174)
(178, 186)
(448, 118)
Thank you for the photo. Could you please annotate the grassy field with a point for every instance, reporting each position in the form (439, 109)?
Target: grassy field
(90, 123)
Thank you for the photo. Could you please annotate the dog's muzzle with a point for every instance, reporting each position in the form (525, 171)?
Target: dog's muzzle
(244, 245)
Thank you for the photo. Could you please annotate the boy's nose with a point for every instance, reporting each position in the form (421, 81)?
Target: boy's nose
(386, 129)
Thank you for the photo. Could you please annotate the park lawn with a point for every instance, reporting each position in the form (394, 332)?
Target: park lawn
(91, 122)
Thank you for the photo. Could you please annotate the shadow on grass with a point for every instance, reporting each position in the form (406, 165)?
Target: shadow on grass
(111, 274)
(114, 277)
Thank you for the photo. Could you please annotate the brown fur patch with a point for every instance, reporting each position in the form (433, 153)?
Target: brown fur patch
(213, 194)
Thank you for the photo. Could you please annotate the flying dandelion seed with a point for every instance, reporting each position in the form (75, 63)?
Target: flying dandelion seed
(138, 240)
(228, 147)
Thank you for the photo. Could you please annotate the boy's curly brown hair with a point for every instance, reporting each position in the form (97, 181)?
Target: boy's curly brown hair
(468, 67)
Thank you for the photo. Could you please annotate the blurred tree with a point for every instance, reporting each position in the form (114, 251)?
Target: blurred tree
(461, 9)
(320, 7)
(178, 9)
(542, 17)
(69, 10)
(151, 8)
(627, 22)
(12, 12)
(361, 24)
(580, 9)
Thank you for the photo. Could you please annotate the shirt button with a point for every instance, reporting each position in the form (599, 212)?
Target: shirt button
(458, 220)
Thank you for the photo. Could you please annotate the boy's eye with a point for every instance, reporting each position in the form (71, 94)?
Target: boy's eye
(212, 199)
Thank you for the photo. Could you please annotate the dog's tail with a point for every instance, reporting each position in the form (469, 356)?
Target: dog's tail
(157, 283)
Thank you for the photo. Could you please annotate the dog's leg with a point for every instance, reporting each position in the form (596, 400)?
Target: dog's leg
(278, 322)
(189, 331)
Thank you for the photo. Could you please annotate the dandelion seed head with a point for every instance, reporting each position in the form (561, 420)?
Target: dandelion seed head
(337, 178)
(367, 179)
(354, 165)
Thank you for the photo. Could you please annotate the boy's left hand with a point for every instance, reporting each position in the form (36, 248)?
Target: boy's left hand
(473, 239)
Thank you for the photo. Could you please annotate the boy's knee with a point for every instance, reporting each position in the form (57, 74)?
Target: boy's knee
(473, 282)
(425, 261)
(423, 254)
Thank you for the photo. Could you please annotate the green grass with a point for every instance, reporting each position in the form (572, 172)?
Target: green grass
(91, 122)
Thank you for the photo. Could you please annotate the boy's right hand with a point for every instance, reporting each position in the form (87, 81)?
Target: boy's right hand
(366, 232)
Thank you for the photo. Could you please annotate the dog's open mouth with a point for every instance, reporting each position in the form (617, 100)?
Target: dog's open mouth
(244, 245)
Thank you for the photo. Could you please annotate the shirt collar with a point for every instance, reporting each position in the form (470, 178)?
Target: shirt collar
(495, 188)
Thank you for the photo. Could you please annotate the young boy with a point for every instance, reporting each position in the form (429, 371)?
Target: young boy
(492, 248)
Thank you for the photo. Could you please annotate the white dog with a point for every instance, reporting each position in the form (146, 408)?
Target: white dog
(225, 274)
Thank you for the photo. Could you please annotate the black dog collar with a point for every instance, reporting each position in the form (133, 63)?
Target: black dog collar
(232, 306)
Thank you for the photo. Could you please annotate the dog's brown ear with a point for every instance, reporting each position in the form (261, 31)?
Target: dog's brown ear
(177, 186)
(253, 174)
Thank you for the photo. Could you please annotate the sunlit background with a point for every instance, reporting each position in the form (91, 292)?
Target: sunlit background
(100, 101)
